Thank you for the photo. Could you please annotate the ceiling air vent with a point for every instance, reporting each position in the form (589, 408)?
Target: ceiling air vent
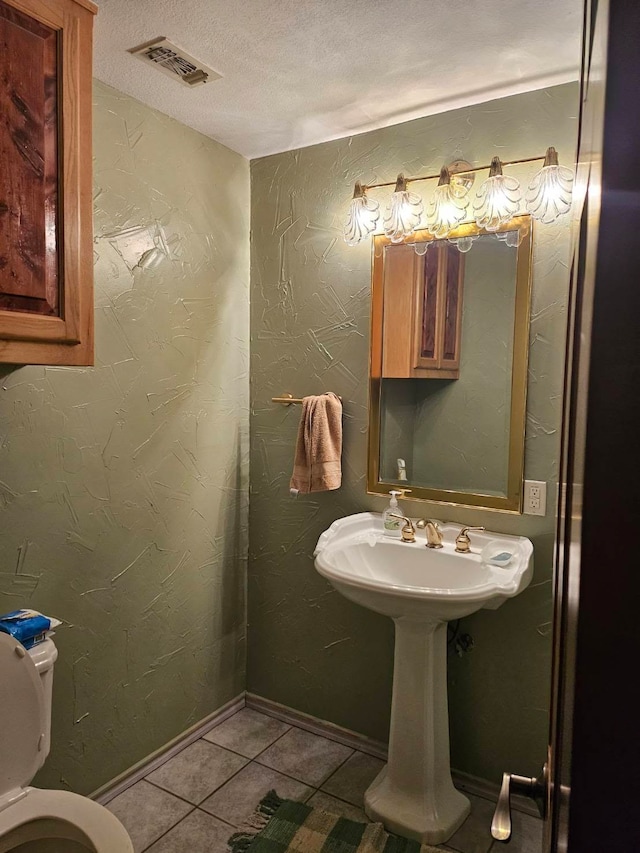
(174, 61)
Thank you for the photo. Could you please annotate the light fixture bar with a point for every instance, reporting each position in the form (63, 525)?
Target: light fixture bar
(366, 187)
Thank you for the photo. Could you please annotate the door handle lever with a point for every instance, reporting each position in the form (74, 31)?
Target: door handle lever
(526, 786)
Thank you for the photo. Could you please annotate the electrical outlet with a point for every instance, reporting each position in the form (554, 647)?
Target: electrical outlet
(535, 497)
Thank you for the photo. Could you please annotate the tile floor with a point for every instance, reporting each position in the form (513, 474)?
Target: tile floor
(197, 799)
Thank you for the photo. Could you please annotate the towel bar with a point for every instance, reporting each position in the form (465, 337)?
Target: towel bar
(288, 399)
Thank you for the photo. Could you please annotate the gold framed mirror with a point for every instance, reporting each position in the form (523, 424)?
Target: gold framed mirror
(448, 365)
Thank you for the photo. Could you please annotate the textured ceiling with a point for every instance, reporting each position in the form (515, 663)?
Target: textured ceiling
(297, 72)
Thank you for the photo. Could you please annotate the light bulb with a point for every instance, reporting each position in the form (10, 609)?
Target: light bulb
(362, 217)
(403, 213)
(498, 199)
(448, 207)
(549, 193)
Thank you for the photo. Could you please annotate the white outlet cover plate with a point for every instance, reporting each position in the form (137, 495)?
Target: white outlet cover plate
(535, 497)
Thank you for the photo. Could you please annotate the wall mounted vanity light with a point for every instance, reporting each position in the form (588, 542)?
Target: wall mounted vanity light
(403, 213)
(448, 207)
(498, 199)
(549, 193)
(363, 216)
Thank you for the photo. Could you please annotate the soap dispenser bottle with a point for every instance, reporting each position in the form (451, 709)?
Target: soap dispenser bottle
(392, 526)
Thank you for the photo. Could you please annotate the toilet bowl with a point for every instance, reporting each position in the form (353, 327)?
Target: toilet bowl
(34, 820)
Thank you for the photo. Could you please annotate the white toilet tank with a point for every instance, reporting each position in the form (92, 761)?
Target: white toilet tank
(44, 656)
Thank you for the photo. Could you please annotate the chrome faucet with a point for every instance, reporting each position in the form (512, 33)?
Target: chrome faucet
(434, 534)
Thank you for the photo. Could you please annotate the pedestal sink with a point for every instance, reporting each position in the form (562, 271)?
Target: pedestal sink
(421, 589)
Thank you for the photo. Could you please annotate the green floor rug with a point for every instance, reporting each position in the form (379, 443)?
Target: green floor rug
(284, 826)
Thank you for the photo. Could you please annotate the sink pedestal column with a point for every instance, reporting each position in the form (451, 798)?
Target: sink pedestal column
(414, 795)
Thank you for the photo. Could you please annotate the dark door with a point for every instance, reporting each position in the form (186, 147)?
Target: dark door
(593, 791)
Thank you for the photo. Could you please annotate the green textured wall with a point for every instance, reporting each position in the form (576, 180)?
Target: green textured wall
(308, 646)
(123, 488)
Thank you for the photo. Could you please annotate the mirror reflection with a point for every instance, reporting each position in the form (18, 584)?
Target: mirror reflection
(449, 394)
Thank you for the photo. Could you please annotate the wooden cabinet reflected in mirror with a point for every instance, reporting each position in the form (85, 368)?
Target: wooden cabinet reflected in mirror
(449, 351)
(424, 296)
(46, 240)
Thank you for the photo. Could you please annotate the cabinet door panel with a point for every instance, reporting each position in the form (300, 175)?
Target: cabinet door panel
(46, 257)
(428, 326)
(452, 314)
(29, 250)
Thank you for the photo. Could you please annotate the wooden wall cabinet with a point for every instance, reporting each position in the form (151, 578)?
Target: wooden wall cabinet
(46, 231)
(422, 312)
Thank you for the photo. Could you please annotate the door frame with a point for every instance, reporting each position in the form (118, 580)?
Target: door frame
(594, 793)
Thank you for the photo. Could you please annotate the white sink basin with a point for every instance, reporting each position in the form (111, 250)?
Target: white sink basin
(420, 589)
(402, 579)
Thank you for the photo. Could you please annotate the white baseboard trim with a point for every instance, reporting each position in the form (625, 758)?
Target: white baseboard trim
(134, 774)
(317, 727)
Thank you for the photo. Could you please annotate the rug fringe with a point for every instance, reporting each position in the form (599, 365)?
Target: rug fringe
(268, 806)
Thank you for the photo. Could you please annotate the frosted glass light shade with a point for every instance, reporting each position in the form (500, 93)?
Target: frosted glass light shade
(549, 193)
(514, 238)
(498, 199)
(362, 217)
(403, 213)
(463, 244)
(448, 208)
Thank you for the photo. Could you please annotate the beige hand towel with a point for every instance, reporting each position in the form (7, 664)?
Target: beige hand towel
(317, 463)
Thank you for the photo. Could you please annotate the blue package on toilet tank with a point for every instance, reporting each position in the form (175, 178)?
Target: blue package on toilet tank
(27, 626)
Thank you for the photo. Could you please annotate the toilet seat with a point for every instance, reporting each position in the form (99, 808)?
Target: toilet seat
(24, 718)
(34, 814)
(77, 818)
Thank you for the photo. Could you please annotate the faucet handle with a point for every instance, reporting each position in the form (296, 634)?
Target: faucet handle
(463, 543)
(408, 530)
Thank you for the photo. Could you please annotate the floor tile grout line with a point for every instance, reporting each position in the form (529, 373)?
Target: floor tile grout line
(249, 761)
(221, 819)
(295, 778)
(231, 826)
(173, 793)
(179, 750)
(327, 735)
(298, 729)
(176, 825)
(166, 832)
(210, 743)
(313, 788)
(339, 767)
(215, 791)
(342, 800)
(290, 727)
(198, 805)
(329, 778)
(308, 784)
(235, 752)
